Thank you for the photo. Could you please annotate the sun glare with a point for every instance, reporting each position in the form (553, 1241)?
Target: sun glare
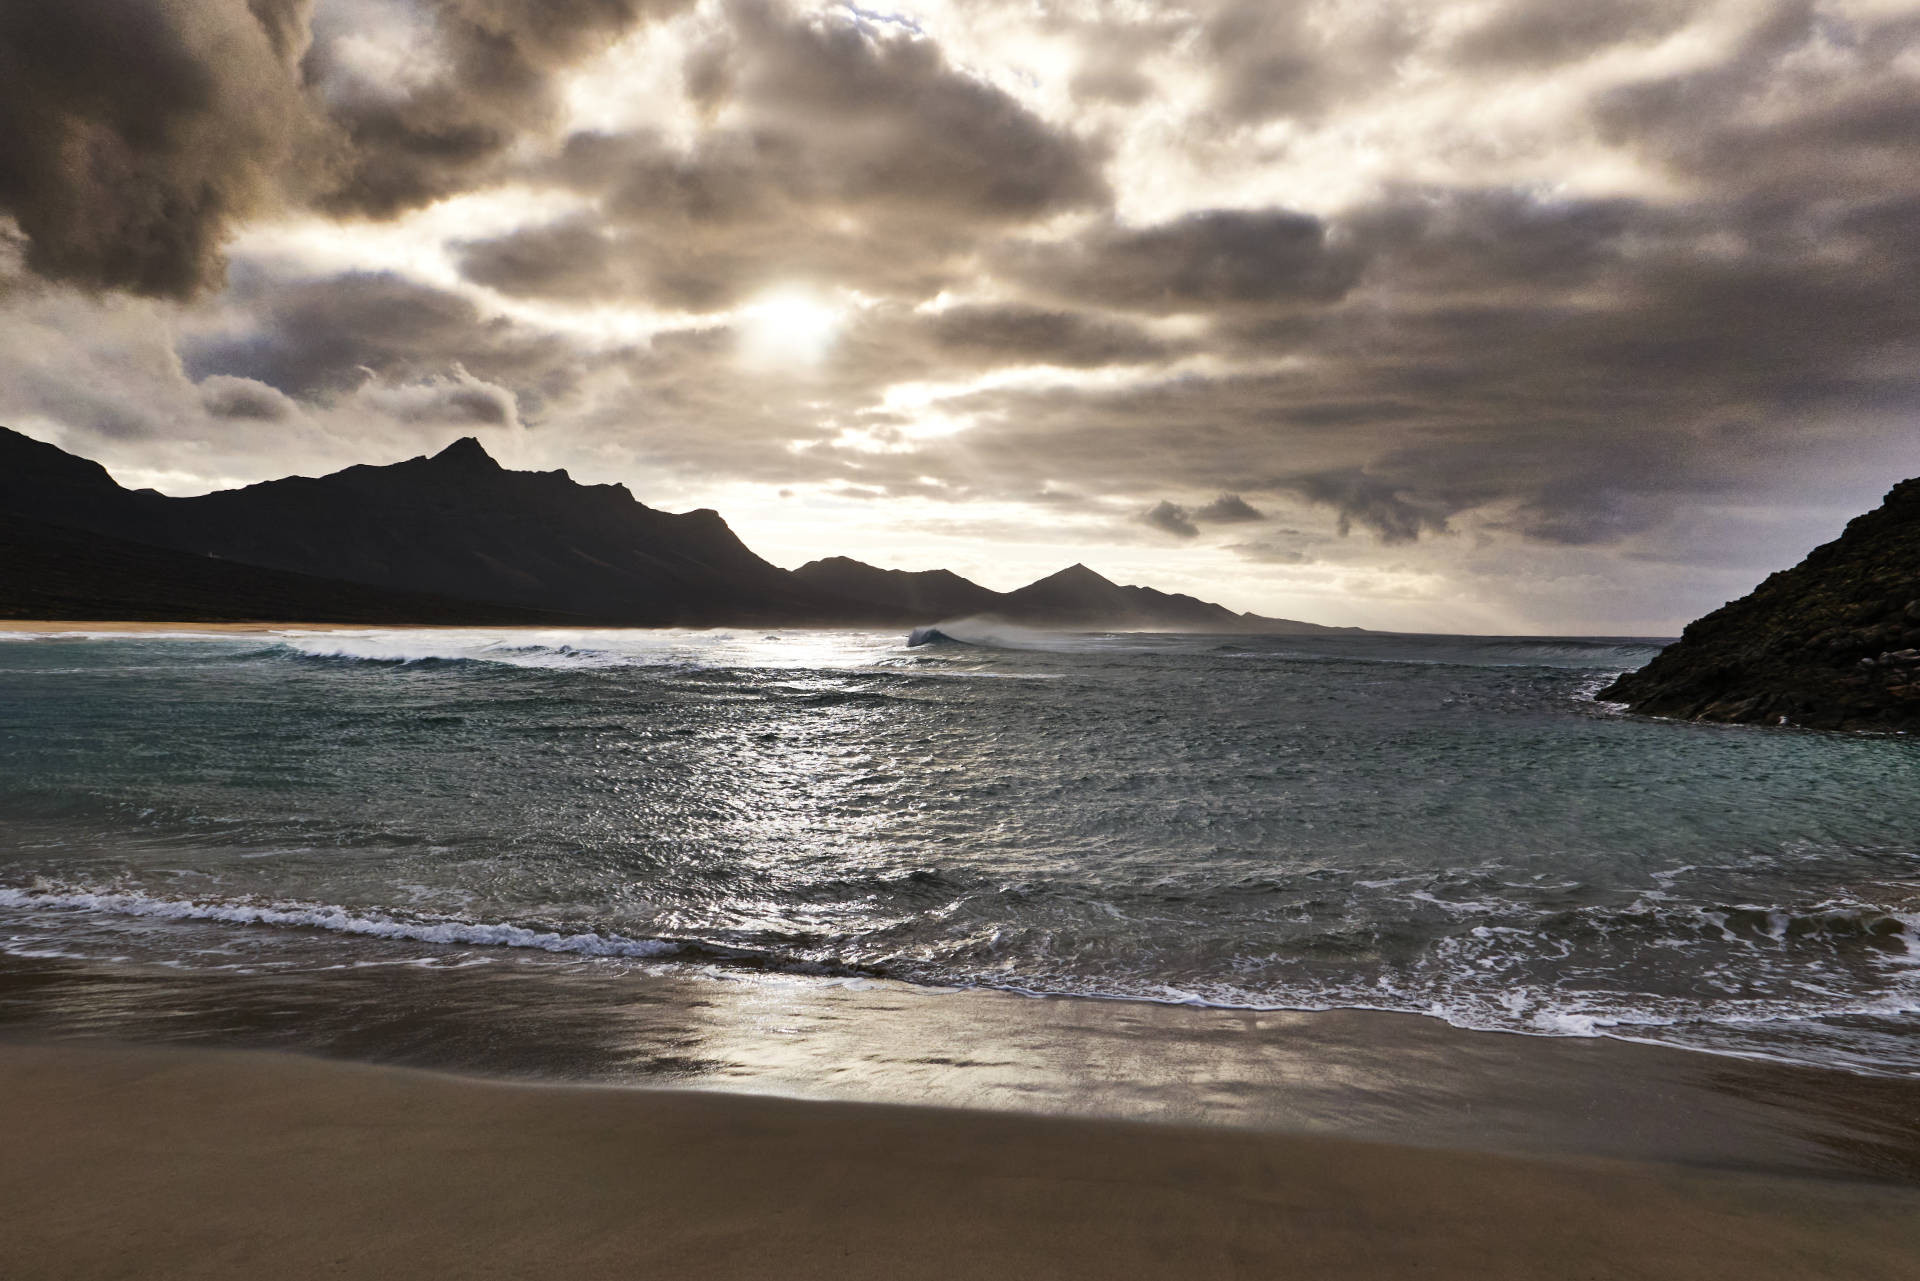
(791, 327)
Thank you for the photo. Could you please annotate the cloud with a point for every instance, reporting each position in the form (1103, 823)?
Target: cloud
(1209, 261)
(1011, 334)
(1541, 36)
(1228, 509)
(1369, 501)
(1808, 102)
(243, 398)
(493, 80)
(1170, 519)
(1286, 60)
(138, 134)
(314, 338)
(1581, 288)
(848, 153)
(458, 398)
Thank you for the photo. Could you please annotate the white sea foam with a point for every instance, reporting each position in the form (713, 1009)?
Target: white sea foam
(993, 633)
(575, 649)
(337, 920)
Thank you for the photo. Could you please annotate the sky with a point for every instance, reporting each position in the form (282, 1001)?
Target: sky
(1504, 316)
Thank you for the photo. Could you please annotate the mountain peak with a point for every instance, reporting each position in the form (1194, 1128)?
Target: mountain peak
(1077, 575)
(466, 452)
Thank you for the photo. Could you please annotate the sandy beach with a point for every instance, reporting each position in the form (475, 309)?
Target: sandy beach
(295, 989)
(216, 1164)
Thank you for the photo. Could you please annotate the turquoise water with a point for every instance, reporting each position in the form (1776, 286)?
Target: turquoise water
(1439, 825)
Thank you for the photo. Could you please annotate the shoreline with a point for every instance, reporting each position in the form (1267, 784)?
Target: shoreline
(1347, 1074)
(218, 1163)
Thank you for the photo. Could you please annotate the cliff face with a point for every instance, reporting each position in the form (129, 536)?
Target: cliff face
(1833, 643)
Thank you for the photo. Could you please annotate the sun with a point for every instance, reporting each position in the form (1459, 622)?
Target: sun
(789, 327)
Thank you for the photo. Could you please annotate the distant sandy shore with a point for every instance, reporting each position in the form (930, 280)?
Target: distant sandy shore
(225, 1164)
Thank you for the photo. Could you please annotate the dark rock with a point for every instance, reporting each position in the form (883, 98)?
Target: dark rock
(1828, 644)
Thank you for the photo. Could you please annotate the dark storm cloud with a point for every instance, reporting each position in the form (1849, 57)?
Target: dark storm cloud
(886, 120)
(1014, 335)
(137, 131)
(1543, 35)
(1369, 501)
(1809, 108)
(1184, 522)
(575, 259)
(1169, 518)
(853, 154)
(1228, 509)
(286, 23)
(459, 399)
(140, 132)
(228, 397)
(410, 145)
(1274, 60)
(1212, 261)
(312, 338)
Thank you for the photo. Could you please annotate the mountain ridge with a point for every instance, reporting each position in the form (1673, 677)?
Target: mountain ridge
(456, 534)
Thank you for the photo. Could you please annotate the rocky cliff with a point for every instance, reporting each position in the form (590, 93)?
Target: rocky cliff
(1833, 643)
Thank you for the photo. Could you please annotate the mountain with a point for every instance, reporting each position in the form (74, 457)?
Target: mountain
(1078, 597)
(53, 571)
(1833, 643)
(456, 537)
(456, 525)
(894, 593)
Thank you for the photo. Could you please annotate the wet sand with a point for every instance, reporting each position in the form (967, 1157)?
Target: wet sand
(1349, 1074)
(214, 1164)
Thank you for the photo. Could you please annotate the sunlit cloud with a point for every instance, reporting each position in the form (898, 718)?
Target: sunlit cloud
(1497, 314)
(789, 327)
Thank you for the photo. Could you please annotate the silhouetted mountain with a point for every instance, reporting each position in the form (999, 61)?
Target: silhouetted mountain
(54, 571)
(899, 593)
(1833, 643)
(1078, 597)
(456, 524)
(457, 538)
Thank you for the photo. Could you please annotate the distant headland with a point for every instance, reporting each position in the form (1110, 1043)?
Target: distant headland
(1833, 643)
(456, 538)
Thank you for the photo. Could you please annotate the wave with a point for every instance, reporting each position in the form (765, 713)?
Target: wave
(1573, 654)
(993, 633)
(340, 920)
(408, 649)
(1622, 655)
(1479, 979)
(930, 636)
(589, 649)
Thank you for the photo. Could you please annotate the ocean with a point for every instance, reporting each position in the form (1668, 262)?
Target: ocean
(1450, 827)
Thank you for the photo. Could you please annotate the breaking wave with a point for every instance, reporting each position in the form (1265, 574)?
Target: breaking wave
(1567, 976)
(338, 920)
